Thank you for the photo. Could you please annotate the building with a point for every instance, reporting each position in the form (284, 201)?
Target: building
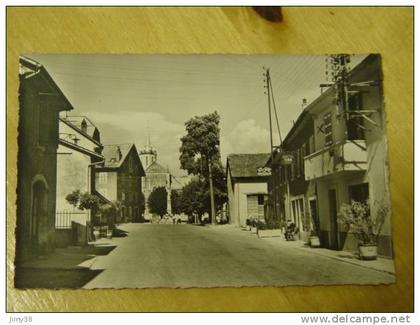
(247, 186)
(291, 196)
(79, 150)
(349, 161)
(40, 101)
(118, 179)
(156, 176)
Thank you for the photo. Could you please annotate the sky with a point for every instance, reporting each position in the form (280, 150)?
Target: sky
(130, 96)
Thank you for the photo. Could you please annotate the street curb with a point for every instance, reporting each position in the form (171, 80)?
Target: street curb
(341, 259)
(347, 261)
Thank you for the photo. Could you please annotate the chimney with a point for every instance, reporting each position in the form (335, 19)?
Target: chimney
(304, 103)
(84, 126)
(119, 153)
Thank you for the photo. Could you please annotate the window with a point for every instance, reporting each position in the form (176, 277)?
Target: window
(311, 145)
(298, 155)
(293, 167)
(328, 129)
(123, 196)
(260, 199)
(103, 178)
(359, 192)
(355, 126)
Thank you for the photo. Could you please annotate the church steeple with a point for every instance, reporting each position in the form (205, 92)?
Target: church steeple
(148, 155)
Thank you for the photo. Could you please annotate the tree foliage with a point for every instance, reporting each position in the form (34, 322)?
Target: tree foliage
(157, 201)
(109, 212)
(84, 201)
(89, 201)
(73, 198)
(201, 143)
(200, 153)
(176, 203)
(194, 198)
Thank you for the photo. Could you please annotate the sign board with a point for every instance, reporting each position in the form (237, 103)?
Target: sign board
(264, 171)
(286, 159)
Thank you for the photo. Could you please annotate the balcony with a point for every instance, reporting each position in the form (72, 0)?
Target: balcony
(347, 156)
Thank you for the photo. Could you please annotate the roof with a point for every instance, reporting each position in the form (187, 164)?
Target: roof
(303, 119)
(101, 197)
(29, 68)
(115, 154)
(246, 164)
(154, 167)
(75, 122)
(81, 149)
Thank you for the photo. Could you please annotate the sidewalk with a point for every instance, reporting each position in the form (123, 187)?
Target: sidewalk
(68, 267)
(380, 264)
(72, 257)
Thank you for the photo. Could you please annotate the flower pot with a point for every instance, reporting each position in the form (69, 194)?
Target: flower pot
(314, 241)
(368, 252)
(253, 230)
(266, 233)
(109, 233)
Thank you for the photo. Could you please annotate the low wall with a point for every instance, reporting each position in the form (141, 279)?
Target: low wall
(63, 237)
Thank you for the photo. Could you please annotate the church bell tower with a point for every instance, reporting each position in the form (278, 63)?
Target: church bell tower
(148, 155)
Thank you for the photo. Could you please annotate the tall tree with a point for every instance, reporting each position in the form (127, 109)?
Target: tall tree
(157, 201)
(194, 198)
(176, 203)
(200, 150)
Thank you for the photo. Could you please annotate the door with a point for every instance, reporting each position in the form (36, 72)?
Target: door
(39, 216)
(332, 196)
(315, 218)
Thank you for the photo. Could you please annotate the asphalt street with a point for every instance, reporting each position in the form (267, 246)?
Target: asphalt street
(165, 255)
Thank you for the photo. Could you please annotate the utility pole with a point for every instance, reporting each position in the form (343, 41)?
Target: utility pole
(273, 177)
(213, 212)
(267, 80)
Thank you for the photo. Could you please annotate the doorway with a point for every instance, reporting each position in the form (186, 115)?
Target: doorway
(332, 196)
(39, 216)
(315, 217)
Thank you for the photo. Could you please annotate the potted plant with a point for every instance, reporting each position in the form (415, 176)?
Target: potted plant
(357, 218)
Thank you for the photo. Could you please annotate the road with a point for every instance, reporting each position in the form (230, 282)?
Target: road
(163, 255)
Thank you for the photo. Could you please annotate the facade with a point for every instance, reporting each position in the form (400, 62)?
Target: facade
(156, 176)
(350, 157)
(40, 101)
(79, 150)
(247, 186)
(118, 179)
(291, 196)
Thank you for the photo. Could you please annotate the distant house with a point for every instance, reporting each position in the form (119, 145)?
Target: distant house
(40, 101)
(247, 186)
(292, 197)
(119, 179)
(156, 176)
(79, 150)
